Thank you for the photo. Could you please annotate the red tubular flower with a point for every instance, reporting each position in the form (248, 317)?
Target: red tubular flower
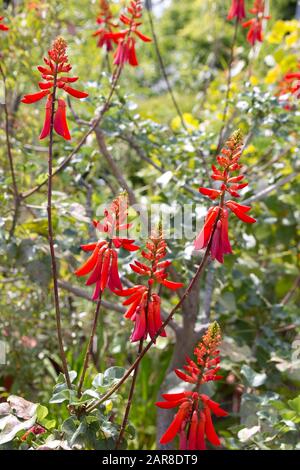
(105, 20)
(3, 27)
(255, 25)
(102, 265)
(237, 10)
(193, 422)
(215, 229)
(144, 304)
(125, 39)
(36, 430)
(55, 64)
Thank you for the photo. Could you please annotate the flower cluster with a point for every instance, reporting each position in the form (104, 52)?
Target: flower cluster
(289, 87)
(255, 24)
(193, 421)
(126, 39)
(3, 27)
(102, 265)
(55, 64)
(105, 20)
(36, 430)
(215, 230)
(237, 10)
(144, 304)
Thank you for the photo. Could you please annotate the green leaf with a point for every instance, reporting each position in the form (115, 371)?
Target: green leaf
(41, 412)
(254, 379)
(295, 404)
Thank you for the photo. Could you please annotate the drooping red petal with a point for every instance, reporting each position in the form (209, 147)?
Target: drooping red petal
(203, 238)
(96, 273)
(89, 246)
(105, 269)
(47, 122)
(200, 432)
(137, 294)
(132, 309)
(192, 437)
(89, 264)
(214, 406)
(209, 428)
(239, 211)
(157, 315)
(75, 93)
(132, 54)
(114, 281)
(172, 285)
(140, 326)
(142, 36)
(60, 120)
(150, 320)
(175, 426)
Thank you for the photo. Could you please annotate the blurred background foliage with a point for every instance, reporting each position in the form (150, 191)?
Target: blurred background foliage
(254, 295)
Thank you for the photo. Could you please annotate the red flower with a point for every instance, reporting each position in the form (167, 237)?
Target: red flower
(237, 10)
(102, 265)
(193, 422)
(205, 368)
(126, 43)
(56, 64)
(215, 229)
(255, 25)
(3, 27)
(36, 430)
(288, 87)
(144, 304)
(104, 32)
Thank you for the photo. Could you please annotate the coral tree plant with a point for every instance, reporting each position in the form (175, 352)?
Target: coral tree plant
(143, 300)
(193, 422)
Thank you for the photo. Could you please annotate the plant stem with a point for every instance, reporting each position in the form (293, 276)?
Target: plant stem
(10, 159)
(163, 69)
(89, 348)
(51, 241)
(229, 79)
(130, 397)
(165, 323)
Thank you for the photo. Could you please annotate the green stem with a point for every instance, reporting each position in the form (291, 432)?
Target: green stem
(51, 242)
(229, 79)
(10, 159)
(89, 349)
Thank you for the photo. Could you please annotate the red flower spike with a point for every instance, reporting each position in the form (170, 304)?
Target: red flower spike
(3, 27)
(289, 87)
(193, 420)
(102, 265)
(57, 63)
(237, 10)
(125, 39)
(144, 304)
(255, 25)
(215, 229)
(105, 20)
